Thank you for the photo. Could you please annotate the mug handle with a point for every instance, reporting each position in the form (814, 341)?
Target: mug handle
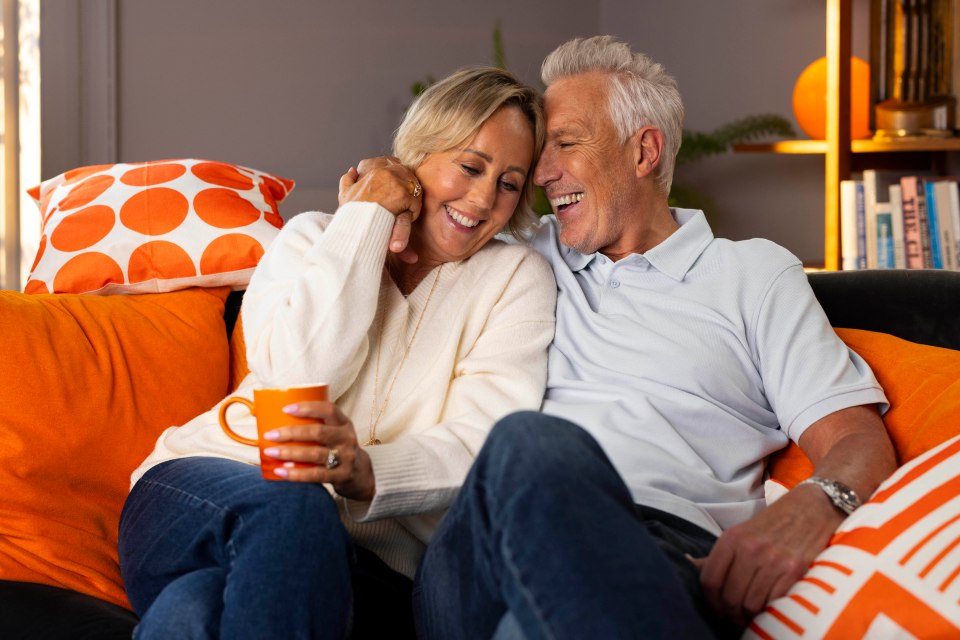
(226, 427)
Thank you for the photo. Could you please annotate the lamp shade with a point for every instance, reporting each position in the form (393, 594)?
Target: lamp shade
(810, 99)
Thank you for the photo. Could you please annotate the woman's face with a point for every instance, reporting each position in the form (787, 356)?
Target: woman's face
(469, 194)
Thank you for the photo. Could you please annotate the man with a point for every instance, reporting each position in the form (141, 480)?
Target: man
(633, 506)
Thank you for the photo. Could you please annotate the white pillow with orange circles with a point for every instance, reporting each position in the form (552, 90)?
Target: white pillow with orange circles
(154, 226)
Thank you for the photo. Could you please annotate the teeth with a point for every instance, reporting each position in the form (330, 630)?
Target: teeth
(567, 199)
(465, 221)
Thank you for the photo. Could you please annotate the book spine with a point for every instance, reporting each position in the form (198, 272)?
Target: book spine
(884, 239)
(896, 217)
(849, 256)
(861, 227)
(911, 222)
(933, 228)
(953, 191)
(870, 215)
(924, 223)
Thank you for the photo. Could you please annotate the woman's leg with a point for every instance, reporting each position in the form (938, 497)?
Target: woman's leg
(243, 557)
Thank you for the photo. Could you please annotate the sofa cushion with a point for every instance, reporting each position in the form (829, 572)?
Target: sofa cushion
(922, 384)
(154, 226)
(891, 569)
(89, 382)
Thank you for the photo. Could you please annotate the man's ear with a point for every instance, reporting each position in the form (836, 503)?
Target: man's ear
(648, 147)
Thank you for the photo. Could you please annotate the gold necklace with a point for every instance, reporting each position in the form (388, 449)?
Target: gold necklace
(374, 414)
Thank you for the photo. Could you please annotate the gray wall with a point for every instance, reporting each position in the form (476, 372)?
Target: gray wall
(305, 88)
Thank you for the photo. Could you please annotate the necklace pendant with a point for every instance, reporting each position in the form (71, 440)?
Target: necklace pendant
(372, 442)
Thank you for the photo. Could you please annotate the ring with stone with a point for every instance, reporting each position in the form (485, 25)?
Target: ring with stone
(415, 189)
(333, 459)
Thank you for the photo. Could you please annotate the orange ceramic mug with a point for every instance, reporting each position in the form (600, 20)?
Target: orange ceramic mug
(267, 407)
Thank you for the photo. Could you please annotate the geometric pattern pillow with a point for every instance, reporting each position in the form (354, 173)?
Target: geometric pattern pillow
(892, 569)
(154, 226)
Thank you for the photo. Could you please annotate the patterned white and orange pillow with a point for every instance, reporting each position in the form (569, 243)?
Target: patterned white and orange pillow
(154, 226)
(892, 570)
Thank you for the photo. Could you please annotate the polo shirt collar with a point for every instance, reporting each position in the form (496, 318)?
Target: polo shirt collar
(674, 256)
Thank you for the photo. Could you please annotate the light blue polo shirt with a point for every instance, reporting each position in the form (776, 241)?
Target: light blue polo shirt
(694, 361)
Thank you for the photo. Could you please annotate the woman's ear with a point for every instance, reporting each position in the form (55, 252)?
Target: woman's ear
(648, 148)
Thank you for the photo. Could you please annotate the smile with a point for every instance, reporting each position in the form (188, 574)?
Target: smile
(562, 201)
(460, 218)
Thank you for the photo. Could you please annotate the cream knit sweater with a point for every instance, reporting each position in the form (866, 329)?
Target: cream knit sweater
(313, 313)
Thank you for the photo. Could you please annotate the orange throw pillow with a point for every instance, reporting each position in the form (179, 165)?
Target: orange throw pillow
(922, 384)
(89, 382)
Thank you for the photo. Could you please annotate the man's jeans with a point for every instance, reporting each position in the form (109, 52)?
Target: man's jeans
(209, 549)
(544, 541)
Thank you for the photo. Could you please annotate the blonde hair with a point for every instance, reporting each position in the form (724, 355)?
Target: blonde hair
(641, 91)
(449, 113)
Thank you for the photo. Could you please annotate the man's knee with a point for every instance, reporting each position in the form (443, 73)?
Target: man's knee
(532, 444)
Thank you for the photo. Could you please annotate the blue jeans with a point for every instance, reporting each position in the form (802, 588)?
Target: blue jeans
(544, 541)
(210, 549)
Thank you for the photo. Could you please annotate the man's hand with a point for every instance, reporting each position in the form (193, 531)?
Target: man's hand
(759, 560)
(400, 237)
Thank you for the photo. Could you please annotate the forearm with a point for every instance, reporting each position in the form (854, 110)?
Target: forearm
(852, 447)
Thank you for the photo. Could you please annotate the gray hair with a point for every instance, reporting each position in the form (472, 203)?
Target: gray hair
(641, 92)
(449, 113)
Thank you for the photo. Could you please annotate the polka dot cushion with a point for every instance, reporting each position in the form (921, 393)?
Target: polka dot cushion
(892, 569)
(154, 226)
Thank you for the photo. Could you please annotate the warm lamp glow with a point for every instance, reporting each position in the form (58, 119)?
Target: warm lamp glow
(810, 99)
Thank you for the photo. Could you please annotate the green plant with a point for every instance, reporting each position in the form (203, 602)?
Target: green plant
(697, 145)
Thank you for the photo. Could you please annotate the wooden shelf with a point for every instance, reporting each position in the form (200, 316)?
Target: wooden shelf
(838, 149)
(813, 147)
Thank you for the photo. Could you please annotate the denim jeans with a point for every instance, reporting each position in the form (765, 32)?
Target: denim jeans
(210, 549)
(544, 541)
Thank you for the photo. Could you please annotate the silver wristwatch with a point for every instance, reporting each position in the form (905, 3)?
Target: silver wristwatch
(842, 496)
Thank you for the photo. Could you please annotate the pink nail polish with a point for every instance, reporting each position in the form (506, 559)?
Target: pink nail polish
(280, 471)
(273, 452)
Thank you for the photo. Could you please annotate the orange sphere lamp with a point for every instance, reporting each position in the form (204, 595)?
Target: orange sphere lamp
(810, 99)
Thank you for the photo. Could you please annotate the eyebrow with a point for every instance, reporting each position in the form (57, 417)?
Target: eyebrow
(489, 158)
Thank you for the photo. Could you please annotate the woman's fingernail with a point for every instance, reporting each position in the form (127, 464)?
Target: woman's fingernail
(280, 471)
(273, 452)
(271, 435)
(292, 409)
(397, 246)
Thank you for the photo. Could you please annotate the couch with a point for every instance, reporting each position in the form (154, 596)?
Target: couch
(921, 307)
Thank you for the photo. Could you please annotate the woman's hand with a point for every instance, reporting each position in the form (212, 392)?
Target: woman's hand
(394, 187)
(352, 477)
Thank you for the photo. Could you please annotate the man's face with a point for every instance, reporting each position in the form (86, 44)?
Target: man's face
(587, 174)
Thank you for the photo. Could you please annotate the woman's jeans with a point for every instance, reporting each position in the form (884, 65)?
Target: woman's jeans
(209, 549)
(544, 541)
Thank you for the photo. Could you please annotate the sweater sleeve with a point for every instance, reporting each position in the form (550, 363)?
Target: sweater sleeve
(313, 297)
(504, 371)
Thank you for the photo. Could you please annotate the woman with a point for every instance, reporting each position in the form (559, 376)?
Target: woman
(421, 358)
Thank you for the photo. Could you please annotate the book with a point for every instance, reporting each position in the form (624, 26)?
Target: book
(896, 216)
(929, 207)
(913, 247)
(884, 239)
(948, 218)
(876, 193)
(849, 235)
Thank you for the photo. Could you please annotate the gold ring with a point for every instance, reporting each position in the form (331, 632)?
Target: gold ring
(415, 189)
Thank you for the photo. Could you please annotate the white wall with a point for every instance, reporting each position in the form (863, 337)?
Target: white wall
(305, 88)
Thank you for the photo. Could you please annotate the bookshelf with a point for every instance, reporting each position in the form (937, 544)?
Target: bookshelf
(842, 155)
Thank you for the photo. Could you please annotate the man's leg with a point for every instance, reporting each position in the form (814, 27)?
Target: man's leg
(545, 528)
(264, 559)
